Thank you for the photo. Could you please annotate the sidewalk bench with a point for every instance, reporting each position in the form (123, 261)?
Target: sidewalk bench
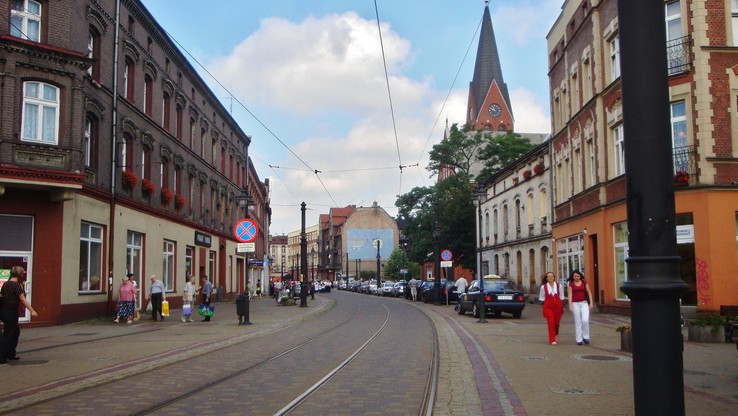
(730, 312)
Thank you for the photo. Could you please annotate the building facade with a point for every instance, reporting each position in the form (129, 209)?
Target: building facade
(115, 157)
(514, 221)
(590, 222)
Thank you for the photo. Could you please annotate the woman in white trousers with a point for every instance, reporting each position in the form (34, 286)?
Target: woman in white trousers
(580, 303)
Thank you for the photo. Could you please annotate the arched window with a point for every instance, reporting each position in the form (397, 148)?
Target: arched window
(93, 52)
(89, 149)
(148, 94)
(165, 111)
(129, 79)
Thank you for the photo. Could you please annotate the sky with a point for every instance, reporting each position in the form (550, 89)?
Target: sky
(333, 108)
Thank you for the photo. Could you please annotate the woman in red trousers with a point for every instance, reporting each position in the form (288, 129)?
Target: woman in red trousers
(552, 295)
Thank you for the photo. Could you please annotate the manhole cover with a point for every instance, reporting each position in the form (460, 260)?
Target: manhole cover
(573, 391)
(27, 362)
(601, 357)
(533, 358)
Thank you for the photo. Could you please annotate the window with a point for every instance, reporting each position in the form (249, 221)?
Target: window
(148, 94)
(134, 258)
(518, 207)
(495, 227)
(570, 255)
(614, 58)
(486, 225)
(165, 110)
(177, 180)
(676, 51)
(90, 257)
(619, 143)
(543, 208)
(129, 79)
(679, 135)
(146, 163)
(189, 255)
(734, 20)
(40, 112)
(620, 240)
(591, 153)
(578, 171)
(164, 174)
(168, 252)
(529, 207)
(191, 192)
(93, 50)
(211, 266)
(25, 19)
(505, 220)
(223, 160)
(90, 142)
(126, 153)
(179, 123)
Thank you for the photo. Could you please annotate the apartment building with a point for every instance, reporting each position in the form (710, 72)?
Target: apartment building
(589, 189)
(115, 157)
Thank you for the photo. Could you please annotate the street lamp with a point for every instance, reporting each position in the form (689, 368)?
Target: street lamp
(480, 193)
(378, 243)
(437, 254)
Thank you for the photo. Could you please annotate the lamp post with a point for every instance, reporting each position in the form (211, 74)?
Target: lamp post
(479, 194)
(358, 277)
(303, 265)
(653, 284)
(378, 243)
(312, 273)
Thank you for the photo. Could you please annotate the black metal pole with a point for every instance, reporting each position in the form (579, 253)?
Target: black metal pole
(653, 284)
(379, 244)
(303, 265)
(347, 268)
(437, 254)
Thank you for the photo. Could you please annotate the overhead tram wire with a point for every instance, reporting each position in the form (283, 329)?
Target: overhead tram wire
(471, 42)
(251, 113)
(389, 93)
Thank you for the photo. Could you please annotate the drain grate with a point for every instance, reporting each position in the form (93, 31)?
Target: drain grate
(576, 392)
(601, 357)
(27, 362)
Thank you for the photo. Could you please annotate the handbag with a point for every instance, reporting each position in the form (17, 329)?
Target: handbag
(205, 310)
(165, 308)
(149, 308)
(186, 309)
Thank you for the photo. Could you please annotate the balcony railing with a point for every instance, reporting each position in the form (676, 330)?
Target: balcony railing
(678, 55)
(685, 159)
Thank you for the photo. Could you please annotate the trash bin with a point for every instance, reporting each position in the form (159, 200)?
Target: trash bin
(220, 293)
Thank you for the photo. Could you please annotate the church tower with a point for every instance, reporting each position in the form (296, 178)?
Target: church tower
(489, 105)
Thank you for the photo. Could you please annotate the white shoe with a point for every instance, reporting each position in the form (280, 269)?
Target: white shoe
(116, 320)
(183, 320)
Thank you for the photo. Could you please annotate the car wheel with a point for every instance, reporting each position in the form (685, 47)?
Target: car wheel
(475, 310)
(517, 315)
(460, 309)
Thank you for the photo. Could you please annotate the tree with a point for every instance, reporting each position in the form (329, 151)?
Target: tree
(458, 150)
(500, 151)
(398, 260)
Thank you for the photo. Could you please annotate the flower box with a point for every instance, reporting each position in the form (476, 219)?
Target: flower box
(166, 196)
(129, 179)
(527, 174)
(538, 169)
(516, 180)
(681, 178)
(179, 202)
(147, 187)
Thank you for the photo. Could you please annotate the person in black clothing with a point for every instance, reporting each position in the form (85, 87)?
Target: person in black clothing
(13, 296)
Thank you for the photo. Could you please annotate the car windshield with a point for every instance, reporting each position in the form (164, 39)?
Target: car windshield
(496, 284)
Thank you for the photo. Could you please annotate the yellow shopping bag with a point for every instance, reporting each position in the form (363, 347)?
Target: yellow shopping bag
(165, 308)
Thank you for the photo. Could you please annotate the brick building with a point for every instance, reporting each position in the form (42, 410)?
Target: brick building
(590, 228)
(115, 157)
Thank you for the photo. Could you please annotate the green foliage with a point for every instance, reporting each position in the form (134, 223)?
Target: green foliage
(398, 260)
(706, 319)
(458, 150)
(500, 151)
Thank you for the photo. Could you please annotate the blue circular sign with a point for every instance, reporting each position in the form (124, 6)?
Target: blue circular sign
(246, 231)
(446, 255)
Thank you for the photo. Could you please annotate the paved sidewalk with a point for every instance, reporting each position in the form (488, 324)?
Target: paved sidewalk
(507, 362)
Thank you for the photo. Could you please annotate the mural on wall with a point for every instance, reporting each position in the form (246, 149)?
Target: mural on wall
(703, 282)
(361, 244)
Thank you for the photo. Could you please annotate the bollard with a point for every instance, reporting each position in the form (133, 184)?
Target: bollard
(242, 309)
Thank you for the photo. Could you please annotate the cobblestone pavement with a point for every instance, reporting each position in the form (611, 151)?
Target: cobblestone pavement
(502, 367)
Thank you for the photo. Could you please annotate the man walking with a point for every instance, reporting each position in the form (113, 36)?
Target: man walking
(461, 284)
(413, 288)
(156, 296)
(207, 290)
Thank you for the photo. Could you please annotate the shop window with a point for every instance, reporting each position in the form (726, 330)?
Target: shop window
(90, 257)
(620, 247)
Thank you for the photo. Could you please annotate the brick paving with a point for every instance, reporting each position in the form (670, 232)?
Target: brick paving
(506, 362)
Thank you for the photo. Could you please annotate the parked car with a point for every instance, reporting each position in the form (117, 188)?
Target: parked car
(399, 289)
(500, 295)
(448, 292)
(424, 289)
(387, 288)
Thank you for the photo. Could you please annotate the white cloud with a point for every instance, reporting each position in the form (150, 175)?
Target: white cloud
(530, 115)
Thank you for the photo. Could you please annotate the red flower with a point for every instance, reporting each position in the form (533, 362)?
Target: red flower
(526, 174)
(538, 169)
(681, 177)
(179, 202)
(147, 187)
(129, 179)
(166, 196)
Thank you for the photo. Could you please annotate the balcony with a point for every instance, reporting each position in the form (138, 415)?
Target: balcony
(685, 159)
(678, 54)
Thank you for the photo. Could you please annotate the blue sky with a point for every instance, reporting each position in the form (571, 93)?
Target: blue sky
(308, 84)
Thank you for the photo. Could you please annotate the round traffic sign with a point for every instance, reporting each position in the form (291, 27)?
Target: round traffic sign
(246, 230)
(446, 255)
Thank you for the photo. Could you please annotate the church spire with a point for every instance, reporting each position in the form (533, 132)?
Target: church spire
(489, 102)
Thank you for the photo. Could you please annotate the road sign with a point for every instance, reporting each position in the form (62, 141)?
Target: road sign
(245, 247)
(446, 255)
(447, 264)
(246, 230)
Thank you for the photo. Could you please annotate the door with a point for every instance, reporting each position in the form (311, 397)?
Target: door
(7, 261)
